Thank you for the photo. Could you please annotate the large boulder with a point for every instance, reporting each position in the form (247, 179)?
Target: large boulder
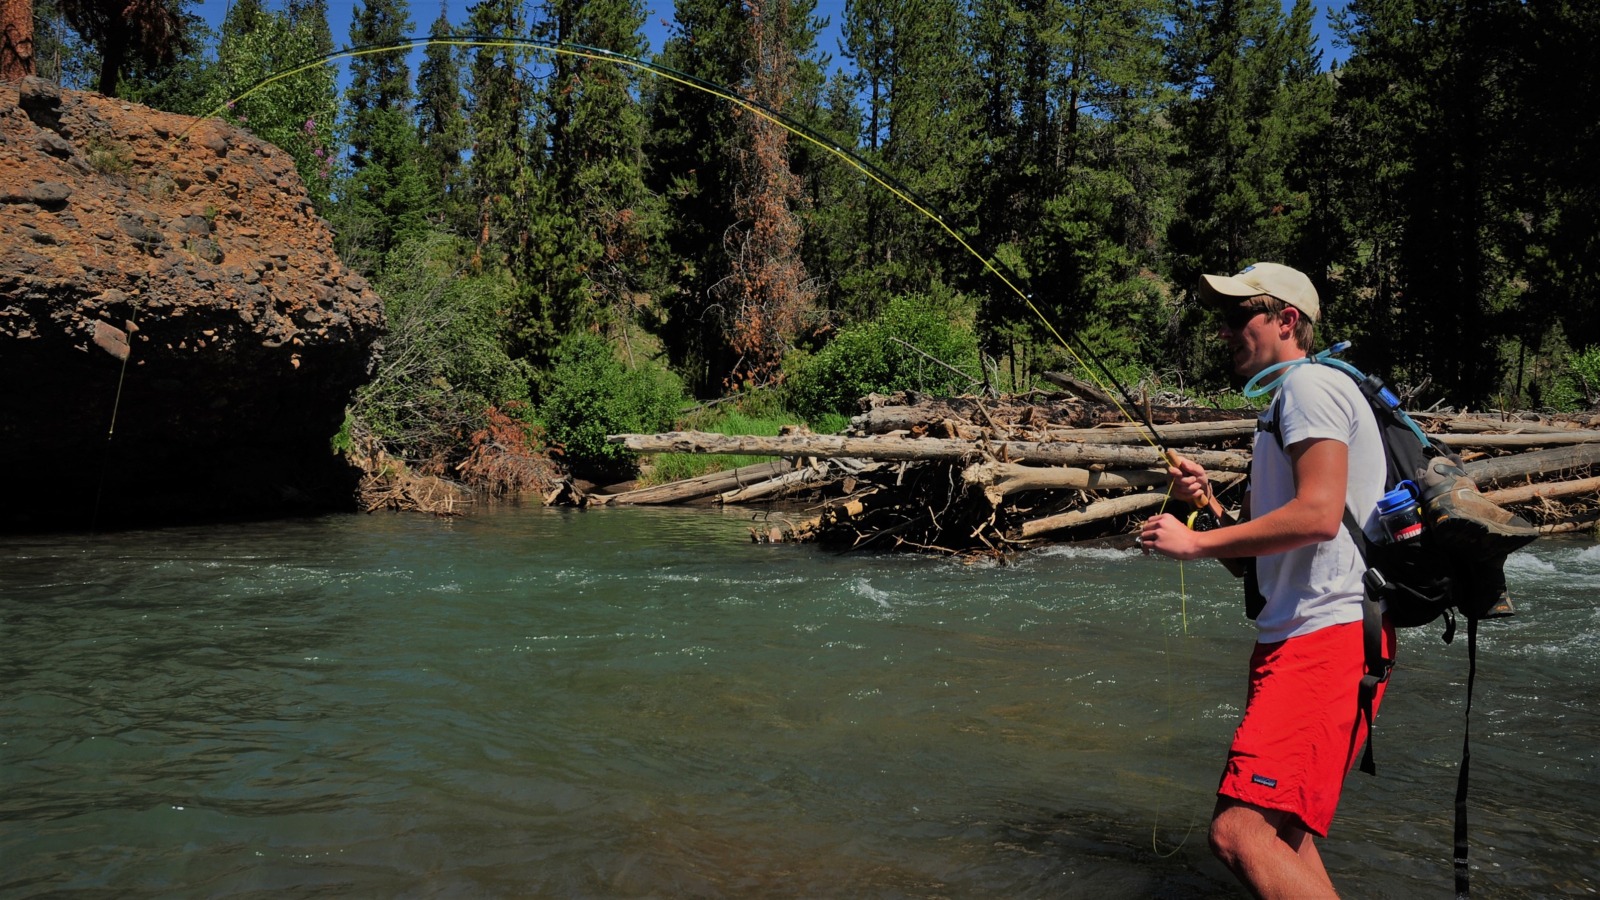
(178, 340)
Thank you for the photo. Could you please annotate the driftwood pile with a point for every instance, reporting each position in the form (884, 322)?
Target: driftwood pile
(989, 476)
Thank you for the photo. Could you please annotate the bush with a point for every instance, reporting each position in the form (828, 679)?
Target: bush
(589, 394)
(875, 356)
(442, 362)
(1577, 385)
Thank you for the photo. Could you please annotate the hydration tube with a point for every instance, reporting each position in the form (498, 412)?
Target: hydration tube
(1371, 385)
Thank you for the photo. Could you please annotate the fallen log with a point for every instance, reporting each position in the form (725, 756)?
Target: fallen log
(1520, 441)
(1004, 417)
(1084, 389)
(1474, 425)
(956, 416)
(1176, 433)
(919, 449)
(1545, 491)
(998, 480)
(1098, 511)
(1586, 523)
(695, 488)
(840, 512)
(1537, 462)
(784, 483)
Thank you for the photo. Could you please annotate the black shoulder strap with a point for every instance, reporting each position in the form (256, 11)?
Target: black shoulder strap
(1378, 669)
(1271, 425)
(1463, 873)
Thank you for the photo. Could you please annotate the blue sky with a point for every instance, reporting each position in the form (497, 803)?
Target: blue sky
(423, 13)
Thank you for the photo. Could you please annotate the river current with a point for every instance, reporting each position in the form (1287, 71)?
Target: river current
(641, 703)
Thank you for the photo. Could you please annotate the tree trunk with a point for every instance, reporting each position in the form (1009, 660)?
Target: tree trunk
(1549, 491)
(112, 54)
(919, 449)
(16, 40)
(1520, 441)
(1094, 512)
(1539, 462)
(696, 488)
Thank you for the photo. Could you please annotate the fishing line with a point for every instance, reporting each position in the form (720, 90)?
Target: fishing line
(888, 182)
(894, 186)
(116, 405)
(1155, 826)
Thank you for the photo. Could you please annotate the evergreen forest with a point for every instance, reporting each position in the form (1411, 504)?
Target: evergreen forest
(575, 236)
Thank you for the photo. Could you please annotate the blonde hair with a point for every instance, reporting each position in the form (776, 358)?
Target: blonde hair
(1304, 328)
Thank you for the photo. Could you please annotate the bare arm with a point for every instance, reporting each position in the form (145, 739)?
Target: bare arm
(1321, 470)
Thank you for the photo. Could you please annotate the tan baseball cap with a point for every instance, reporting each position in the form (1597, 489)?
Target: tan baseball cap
(1289, 285)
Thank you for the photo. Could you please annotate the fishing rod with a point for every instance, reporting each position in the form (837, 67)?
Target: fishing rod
(893, 185)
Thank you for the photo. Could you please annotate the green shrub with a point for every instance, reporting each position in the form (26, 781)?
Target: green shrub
(883, 355)
(589, 394)
(442, 360)
(1577, 385)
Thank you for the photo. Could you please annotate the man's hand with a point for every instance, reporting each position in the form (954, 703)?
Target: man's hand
(1189, 481)
(1166, 535)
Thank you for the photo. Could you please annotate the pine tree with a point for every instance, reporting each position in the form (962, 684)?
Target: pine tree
(16, 39)
(840, 205)
(1075, 190)
(384, 201)
(1425, 113)
(1249, 137)
(599, 227)
(124, 32)
(177, 83)
(768, 293)
(1555, 130)
(1106, 181)
(919, 125)
(441, 126)
(690, 149)
(502, 167)
(1256, 107)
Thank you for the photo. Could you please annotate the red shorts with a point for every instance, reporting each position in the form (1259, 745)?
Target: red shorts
(1302, 730)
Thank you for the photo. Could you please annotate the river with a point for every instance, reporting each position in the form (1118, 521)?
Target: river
(641, 703)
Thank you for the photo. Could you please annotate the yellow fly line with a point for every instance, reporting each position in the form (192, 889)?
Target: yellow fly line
(905, 196)
(723, 93)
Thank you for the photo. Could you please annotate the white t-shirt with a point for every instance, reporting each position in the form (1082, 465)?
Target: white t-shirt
(1317, 585)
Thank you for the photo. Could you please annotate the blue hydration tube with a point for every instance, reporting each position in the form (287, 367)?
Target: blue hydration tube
(1371, 385)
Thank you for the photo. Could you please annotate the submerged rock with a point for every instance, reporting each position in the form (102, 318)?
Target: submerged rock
(178, 340)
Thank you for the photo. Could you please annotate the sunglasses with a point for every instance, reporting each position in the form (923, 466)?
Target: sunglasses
(1237, 317)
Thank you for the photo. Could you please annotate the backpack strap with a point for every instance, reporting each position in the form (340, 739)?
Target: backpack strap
(1463, 873)
(1378, 670)
(1379, 667)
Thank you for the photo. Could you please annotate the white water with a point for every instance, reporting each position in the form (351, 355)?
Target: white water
(627, 703)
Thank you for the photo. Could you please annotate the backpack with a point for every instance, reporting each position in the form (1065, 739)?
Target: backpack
(1455, 565)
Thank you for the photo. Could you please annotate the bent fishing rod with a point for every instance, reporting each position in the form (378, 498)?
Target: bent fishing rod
(893, 185)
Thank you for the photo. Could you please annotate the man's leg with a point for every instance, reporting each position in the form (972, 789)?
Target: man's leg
(1268, 851)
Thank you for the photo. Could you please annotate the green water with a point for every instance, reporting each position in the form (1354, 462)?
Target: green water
(641, 703)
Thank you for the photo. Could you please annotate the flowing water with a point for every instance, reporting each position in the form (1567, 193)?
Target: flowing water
(641, 703)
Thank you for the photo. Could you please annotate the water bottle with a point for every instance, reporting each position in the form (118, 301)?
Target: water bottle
(1399, 513)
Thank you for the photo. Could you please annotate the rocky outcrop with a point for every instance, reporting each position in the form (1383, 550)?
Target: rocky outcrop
(177, 338)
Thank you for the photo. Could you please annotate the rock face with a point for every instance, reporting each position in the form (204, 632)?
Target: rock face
(177, 339)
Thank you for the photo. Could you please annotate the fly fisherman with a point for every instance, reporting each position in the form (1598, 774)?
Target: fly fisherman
(1302, 731)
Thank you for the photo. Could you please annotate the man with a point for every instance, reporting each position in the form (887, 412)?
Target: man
(1302, 731)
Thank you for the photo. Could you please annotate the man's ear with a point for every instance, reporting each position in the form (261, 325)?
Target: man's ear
(1288, 318)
